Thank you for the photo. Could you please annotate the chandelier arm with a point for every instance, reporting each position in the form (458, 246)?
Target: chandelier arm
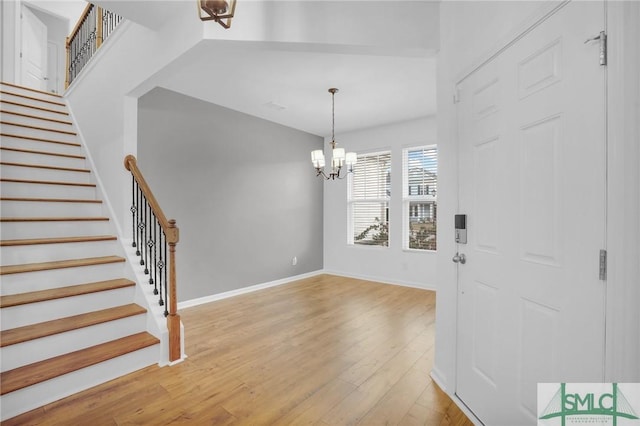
(321, 173)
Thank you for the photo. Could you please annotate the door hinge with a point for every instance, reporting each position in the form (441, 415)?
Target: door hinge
(603, 265)
(456, 95)
(602, 38)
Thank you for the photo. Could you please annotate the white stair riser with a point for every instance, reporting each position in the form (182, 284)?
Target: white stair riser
(26, 399)
(19, 189)
(23, 91)
(49, 209)
(43, 280)
(19, 230)
(35, 145)
(10, 96)
(33, 313)
(15, 255)
(15, 356)
(39, 122)
(43, 159)
(35, 173)
(34, 111)
(35, 133)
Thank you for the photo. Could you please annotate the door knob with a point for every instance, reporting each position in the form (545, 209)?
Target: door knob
(459, 258)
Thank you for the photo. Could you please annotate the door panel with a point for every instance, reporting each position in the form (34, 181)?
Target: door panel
(34, 50)
(531, 126)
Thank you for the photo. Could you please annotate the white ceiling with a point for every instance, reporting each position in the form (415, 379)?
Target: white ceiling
(374, 90)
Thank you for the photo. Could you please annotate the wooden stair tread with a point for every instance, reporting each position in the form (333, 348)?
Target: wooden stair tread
(35, 117)
(62, 292)
(47, 182)
(58, 240)
(38, 372)
(29, 126)
(33, 151)
(31, 138)
(59, 264)
(50, 200)
(4, 101)
(50, 328)
(55, 95)
(42, 166)
(4, 92)
(52, 219)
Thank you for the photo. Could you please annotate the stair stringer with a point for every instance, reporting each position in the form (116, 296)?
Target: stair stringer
(156, 321)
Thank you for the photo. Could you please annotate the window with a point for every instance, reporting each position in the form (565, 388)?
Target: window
(420, 185)
(368, 200)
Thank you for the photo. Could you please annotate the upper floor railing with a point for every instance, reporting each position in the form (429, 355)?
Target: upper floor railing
(152, 232)
(93, 28)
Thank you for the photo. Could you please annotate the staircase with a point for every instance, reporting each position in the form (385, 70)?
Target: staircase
(69, 321)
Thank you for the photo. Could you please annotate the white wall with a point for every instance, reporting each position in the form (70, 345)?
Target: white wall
(395, 26)
(9, 30)
(387, 264)
(100, 98)
(69, 10)
(241, 189)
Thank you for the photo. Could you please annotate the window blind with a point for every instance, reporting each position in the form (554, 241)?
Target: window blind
(369, 195)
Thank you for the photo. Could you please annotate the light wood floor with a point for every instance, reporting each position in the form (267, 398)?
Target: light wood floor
(323, 351)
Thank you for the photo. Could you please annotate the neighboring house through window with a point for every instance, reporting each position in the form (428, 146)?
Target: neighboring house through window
(420, 184)
(368, 200)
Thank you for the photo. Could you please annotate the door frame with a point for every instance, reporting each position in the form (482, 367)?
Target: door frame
(623, 189)
(622, 323)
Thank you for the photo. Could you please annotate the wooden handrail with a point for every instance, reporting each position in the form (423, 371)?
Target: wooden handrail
(84, 15)
(93, 27)
(131, 164)
(172, 234)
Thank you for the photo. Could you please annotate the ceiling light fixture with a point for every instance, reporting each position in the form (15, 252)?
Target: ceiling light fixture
(339, 158)
(220, 11)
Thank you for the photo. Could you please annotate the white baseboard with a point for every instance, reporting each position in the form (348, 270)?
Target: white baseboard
(437, 377)
(422, 286)
(244, 290)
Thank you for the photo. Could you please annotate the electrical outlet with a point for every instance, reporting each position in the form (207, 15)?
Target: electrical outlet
(294, 261)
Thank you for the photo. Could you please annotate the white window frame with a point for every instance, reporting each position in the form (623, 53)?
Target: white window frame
(407, 198)
(352, 201)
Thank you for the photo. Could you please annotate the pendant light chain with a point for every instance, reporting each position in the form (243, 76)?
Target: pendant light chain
(333, 117)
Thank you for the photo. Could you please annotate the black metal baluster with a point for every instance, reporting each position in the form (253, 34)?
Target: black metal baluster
(133, 210)
(143, 246)
(147, 237)
(143, 256)
(152, 246)
(155, 253)
(138, 221)
(161, 263)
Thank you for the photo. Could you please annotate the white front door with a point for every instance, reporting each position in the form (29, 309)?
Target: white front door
(532, 182)
(34, 51)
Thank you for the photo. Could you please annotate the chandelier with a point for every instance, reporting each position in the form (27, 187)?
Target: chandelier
(338, 157)
(220, 11)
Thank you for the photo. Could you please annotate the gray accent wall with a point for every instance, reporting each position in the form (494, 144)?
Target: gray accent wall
(241, 188)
